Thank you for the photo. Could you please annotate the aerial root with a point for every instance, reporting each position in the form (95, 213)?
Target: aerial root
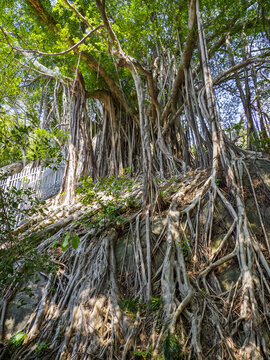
(80, 315)
(246, 293)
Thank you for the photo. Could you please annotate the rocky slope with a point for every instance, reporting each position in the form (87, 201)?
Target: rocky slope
(187, 279)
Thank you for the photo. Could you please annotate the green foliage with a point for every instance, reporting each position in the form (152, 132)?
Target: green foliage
(154, 304)
(65, 242)
(239, 133)
(10, 77)
(75, 241)
(172, 175)
(55, 244)
(171, 348)
(237, 127)
(109, 212)
(264, 141)
(46, 145)
(134, 306)
(203, 292)
(19, 259)
(13, 137)
(87, 190)
(110, 193)
(17, 136)
(131, 306)
(145, 354)
(260, 141)
(18, 339)
(41, 349)
(109, 185)
(184, 244)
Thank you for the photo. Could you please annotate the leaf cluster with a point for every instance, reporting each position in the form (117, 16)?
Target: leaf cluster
(19, 259)
(172, 348)
(111, 193)
(133, 306)
(69, 238)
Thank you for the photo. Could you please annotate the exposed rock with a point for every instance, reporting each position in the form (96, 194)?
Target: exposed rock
(263, 166)
(22, 306)
(124, 251)
(228, 274)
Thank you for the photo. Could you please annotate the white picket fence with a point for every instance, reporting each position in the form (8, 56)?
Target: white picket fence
(43, 182)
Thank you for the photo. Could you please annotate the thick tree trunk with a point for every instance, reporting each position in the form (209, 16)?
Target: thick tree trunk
(81, 159)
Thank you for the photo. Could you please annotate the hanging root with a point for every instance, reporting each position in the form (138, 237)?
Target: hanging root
(199, 287)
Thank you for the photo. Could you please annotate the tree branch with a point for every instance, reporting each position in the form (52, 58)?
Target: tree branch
(187, 53)
(40, 68)
(239, 66)
(185, 60)
(40, 53)
(89, 59)
(79, 15)
(126, 60)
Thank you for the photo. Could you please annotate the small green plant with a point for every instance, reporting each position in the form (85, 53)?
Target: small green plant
(62, 195)
(130, 306)
(185, 248)
(109, 185)
(172, 176)
(55, 244)
(145, 354)
(41, 349)
(19, 259)
(264, 141)
(158, 326)
(130, 201)
(217, 182)
(135, 306)
(154, 304)
(203, 292)
(110, 193)
(172, 348)
(75, 241)
(260, 142)
(86, 190)
(17, 339)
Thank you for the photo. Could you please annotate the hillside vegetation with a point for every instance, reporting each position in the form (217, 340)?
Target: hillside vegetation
(157, 244)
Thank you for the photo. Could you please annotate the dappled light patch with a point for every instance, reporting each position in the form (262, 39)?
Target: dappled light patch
(98, 300)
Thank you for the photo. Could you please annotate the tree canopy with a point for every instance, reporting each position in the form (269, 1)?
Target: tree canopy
(143, 59)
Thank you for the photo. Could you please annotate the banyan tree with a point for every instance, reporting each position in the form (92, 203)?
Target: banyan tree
(176, 95)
